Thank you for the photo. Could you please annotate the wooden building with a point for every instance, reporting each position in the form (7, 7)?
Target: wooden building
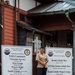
(57, 19)
(14, 30)
(52, 22)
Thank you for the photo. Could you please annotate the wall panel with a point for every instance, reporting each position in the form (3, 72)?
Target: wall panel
(8, 26)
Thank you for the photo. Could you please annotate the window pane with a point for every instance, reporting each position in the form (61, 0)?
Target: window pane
(29, 39)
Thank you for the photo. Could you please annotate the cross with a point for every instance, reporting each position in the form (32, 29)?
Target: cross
(37, 44)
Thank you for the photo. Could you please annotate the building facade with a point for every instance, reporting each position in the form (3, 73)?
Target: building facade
(21, 25)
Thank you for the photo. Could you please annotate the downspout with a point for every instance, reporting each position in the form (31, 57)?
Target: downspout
(67, 15)
(73, 50)
(35, 3)
(18, 4)
(15, 39)
(1, 27)
(1, 31)
(0, 47)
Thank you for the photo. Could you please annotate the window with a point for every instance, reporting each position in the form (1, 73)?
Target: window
(22, 17)
(26, 38)
(51, 41)
(69, 38)
(21, 36)
(29, 39)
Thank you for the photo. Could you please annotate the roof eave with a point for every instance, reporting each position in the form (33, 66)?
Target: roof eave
(52, 13)
(31, 28)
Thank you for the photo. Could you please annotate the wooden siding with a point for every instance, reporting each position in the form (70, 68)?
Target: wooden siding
(8, 24)
(8, 28)
(51, 23)
(58, 26)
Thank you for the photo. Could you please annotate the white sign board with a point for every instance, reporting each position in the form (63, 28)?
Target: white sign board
(16, 60)
(60, 61)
